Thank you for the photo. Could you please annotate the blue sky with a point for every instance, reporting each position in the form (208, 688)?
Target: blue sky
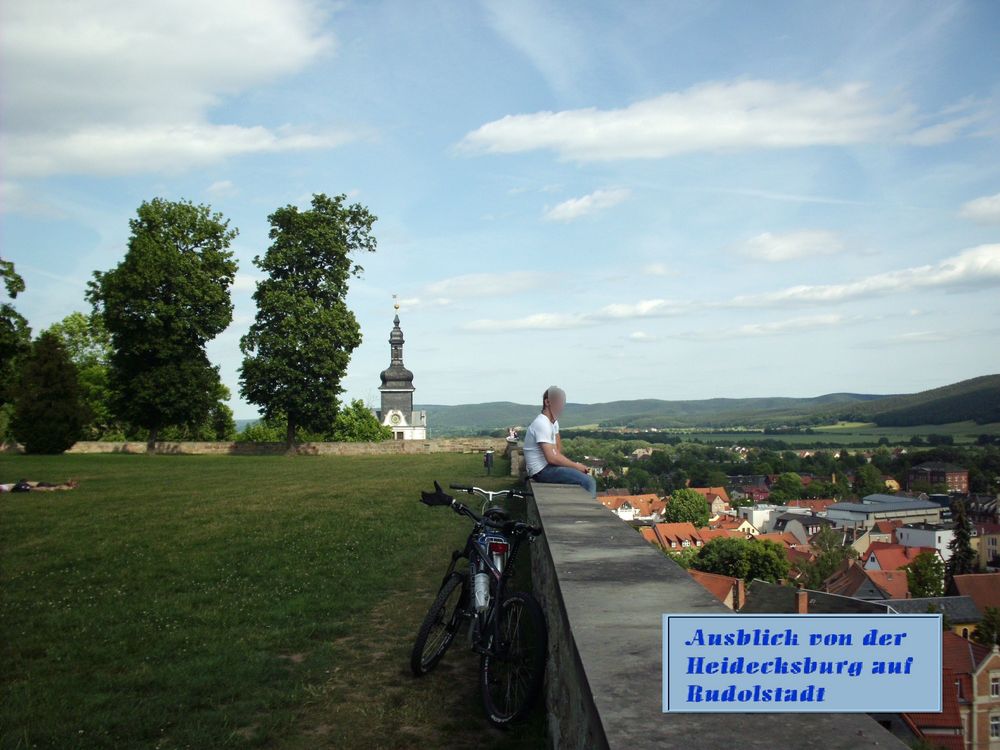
(645, 199)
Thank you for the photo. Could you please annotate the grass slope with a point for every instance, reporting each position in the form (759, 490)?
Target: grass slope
(202, 601)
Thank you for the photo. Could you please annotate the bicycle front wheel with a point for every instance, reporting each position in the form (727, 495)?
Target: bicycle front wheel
(439, 626)
(511, 676)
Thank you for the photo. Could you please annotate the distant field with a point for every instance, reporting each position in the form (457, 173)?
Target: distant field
(208, 602)
(849, 433)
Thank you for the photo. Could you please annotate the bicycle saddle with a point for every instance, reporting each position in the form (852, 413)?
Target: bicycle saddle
(497, 515)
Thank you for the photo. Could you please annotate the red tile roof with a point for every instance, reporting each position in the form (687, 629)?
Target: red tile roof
(677, 533)
(645, 505)
(984, 588)
(707, 534)
(949, 716)
(886, 527)
(893, 582)
(649, 535)
(785, 538)
(892, 556)
(708, 491)
(719, 586)
(960, 655)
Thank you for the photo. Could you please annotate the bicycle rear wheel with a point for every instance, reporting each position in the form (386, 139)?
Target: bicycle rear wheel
(439, 626)
(511, 680)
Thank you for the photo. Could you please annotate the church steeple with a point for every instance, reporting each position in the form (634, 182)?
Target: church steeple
(397, 391)
(397, 381)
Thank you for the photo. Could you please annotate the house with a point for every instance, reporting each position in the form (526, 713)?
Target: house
(852, 579)
(741, 525)
(716, 497)
(960, 612)
(938, 536)
(674, 537)
(772, 598)
(884, 531)
(801, 525)
(727, 589)
(888, 556)
(641, 453)
(708, 534)
(986, 540)
(984, 588)
(942, 730)
(955, 478)
(635, 507)
(753, 493)
(762, 516)
(879, 507)
(970, 679)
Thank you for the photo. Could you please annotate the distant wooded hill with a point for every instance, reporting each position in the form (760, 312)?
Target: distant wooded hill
(977, 399)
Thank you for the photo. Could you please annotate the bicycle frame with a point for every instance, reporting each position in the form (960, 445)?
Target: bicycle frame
(479, 561)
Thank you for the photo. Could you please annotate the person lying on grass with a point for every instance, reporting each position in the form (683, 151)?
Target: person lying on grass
(24, 485)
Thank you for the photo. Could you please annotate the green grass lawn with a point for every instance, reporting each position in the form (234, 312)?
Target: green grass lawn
(222, 601)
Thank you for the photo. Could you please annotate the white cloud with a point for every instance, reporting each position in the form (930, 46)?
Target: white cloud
(100, 86)
(221, 188)
(545, 34)
(791, 245)
(642, 337)
(977, 266)
(657, 269)
(652, 308)
(474, 285)
(575, 208)
(985, 209)
(709, 116)
(537, 322)
(246, 282)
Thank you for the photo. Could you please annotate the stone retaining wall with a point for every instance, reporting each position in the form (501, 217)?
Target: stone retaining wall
(192, 448)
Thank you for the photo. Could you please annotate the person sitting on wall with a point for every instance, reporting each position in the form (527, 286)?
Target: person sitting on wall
(543, 457)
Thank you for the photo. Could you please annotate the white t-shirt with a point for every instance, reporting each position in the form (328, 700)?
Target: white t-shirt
(541, 430)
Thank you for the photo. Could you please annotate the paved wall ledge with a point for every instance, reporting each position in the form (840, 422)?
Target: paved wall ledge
(604, 590)
(195, 448)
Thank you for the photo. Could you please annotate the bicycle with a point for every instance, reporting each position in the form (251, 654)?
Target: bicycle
(507, 629)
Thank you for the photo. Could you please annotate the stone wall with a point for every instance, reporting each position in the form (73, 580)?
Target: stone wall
(388, 447)
(604, 590)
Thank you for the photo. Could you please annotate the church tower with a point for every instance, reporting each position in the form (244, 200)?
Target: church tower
(397, 393)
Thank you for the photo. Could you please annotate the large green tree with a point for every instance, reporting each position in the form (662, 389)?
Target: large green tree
(925, 575)
(686, 505)
(356, 424)
(161, 305)
(88, 344)
(786, 487)
(988, 629)
(743, 558)
(868, 481)
(15, 335)
(48, 414)
(963, 557)
(830, 554)
(297, 350)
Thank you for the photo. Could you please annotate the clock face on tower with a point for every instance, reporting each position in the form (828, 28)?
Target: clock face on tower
(394, 419)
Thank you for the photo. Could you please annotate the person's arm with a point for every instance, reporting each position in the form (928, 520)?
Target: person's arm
(558, 443)
(556, 458)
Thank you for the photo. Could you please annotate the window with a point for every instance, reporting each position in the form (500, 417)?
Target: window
(995, 727)
(995, 686)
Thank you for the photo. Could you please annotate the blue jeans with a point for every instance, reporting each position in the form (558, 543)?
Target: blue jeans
(565, 475)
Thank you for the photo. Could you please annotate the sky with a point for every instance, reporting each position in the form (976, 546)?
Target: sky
(672, 200)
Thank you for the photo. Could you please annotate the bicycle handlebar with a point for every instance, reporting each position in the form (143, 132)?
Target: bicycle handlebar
(439, 497)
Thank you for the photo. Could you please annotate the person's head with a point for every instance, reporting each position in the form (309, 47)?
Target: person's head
(554, 399)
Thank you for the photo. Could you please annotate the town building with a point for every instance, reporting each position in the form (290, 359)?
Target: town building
(939, 473)
(938, 536)
(888, 556)
(960, 612)
(879, 507)
(397, 394)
